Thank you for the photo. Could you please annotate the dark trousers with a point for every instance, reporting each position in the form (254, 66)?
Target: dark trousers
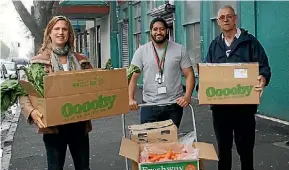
(162, 113)
(73, 136)
(238, 123)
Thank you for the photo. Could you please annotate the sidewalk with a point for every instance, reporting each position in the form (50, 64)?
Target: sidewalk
(28, 150)
(9, 122)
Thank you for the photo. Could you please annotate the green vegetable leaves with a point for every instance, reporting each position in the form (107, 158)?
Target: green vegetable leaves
(130, 70)
(11, 89)
(35, 76)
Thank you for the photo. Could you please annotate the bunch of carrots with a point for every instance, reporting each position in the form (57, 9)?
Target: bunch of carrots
(169, 155)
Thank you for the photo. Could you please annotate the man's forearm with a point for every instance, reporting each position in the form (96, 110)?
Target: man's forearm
(132, 85)
(131, 89)
(190, 83)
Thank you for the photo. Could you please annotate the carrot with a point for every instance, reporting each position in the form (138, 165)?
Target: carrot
(156, 158)
(151, 155)
(168, 154)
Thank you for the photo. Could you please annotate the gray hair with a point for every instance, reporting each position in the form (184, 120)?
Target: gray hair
(227, 7)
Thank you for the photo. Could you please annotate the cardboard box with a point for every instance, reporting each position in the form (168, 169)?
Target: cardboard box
(163, 131)
(80, 95)
(132, 150)
(228, 83)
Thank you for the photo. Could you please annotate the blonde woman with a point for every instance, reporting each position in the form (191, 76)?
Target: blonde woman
(57, 54)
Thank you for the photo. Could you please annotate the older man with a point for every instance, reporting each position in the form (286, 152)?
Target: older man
(236, 45)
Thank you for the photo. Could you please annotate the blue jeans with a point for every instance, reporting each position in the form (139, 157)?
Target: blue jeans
(76, 138)
(162, 113)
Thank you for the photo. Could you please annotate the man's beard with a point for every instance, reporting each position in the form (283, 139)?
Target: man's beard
(159, 41)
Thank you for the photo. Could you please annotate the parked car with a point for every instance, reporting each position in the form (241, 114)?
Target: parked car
(20, 62)
(9, 70)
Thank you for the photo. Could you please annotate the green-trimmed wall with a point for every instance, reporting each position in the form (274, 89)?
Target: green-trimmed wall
(270, 26)
(114, 49)
(266, 20)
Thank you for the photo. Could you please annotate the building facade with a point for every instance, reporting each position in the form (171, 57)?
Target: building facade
(118, 33)
(194, 24)
(4, 50)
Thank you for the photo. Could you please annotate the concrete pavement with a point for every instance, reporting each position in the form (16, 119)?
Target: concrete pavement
(28, 151)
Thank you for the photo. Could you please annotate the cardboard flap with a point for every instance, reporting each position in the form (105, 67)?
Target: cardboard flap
(225, 64)
(206, 151)
(166, 134)
(129, 149)
(236, 72)
(161, 131)
(84, 81)
(74, 71)
(28, 87)
(149, 126)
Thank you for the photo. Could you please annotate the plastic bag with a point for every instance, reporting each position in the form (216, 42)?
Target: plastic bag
(188, 139)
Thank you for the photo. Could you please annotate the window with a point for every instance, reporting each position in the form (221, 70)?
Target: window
(219, 4)
(137, 18)
(125, 13)
(193, 42)
(215, 29)
(149, 19)
(192, 9)
(192, 30)
(216, 6)
(137, 26)
(148, 33)
(171, 34)
(137, 40)
(137, 9)
(151, 4)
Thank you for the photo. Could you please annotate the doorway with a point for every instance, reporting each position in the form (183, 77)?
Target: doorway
(98, 46)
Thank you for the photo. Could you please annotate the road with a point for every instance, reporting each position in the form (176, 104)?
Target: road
(28, 152)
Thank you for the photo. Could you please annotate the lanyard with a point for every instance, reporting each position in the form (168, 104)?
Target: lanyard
(161, 63)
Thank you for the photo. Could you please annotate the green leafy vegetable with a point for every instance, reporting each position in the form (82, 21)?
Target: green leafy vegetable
(12, 89)
(130, 70)
(108, 65)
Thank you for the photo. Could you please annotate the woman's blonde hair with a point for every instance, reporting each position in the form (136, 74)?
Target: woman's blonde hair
(47, 43)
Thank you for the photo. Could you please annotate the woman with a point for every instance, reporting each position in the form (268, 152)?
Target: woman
(56, 54)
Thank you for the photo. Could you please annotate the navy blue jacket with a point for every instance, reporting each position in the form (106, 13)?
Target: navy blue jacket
(244, 49)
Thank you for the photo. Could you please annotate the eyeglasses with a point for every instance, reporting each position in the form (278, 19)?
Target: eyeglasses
(224, 17)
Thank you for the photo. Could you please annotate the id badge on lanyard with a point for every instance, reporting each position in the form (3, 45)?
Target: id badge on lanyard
(160, 76)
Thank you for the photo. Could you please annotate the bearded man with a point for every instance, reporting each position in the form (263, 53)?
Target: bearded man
(162, 63)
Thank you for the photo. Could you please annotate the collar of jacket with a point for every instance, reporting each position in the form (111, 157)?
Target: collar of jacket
(245, 37)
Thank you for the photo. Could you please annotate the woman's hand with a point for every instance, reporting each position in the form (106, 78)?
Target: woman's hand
(36, 116)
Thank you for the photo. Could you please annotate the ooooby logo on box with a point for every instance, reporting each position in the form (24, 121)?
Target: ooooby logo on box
(238, 91)
(100, 104)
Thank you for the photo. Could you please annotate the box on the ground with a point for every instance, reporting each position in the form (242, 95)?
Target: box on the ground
(157, 133)
(163, 131)
(80, 95)
(132, 150)
(228, 83)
